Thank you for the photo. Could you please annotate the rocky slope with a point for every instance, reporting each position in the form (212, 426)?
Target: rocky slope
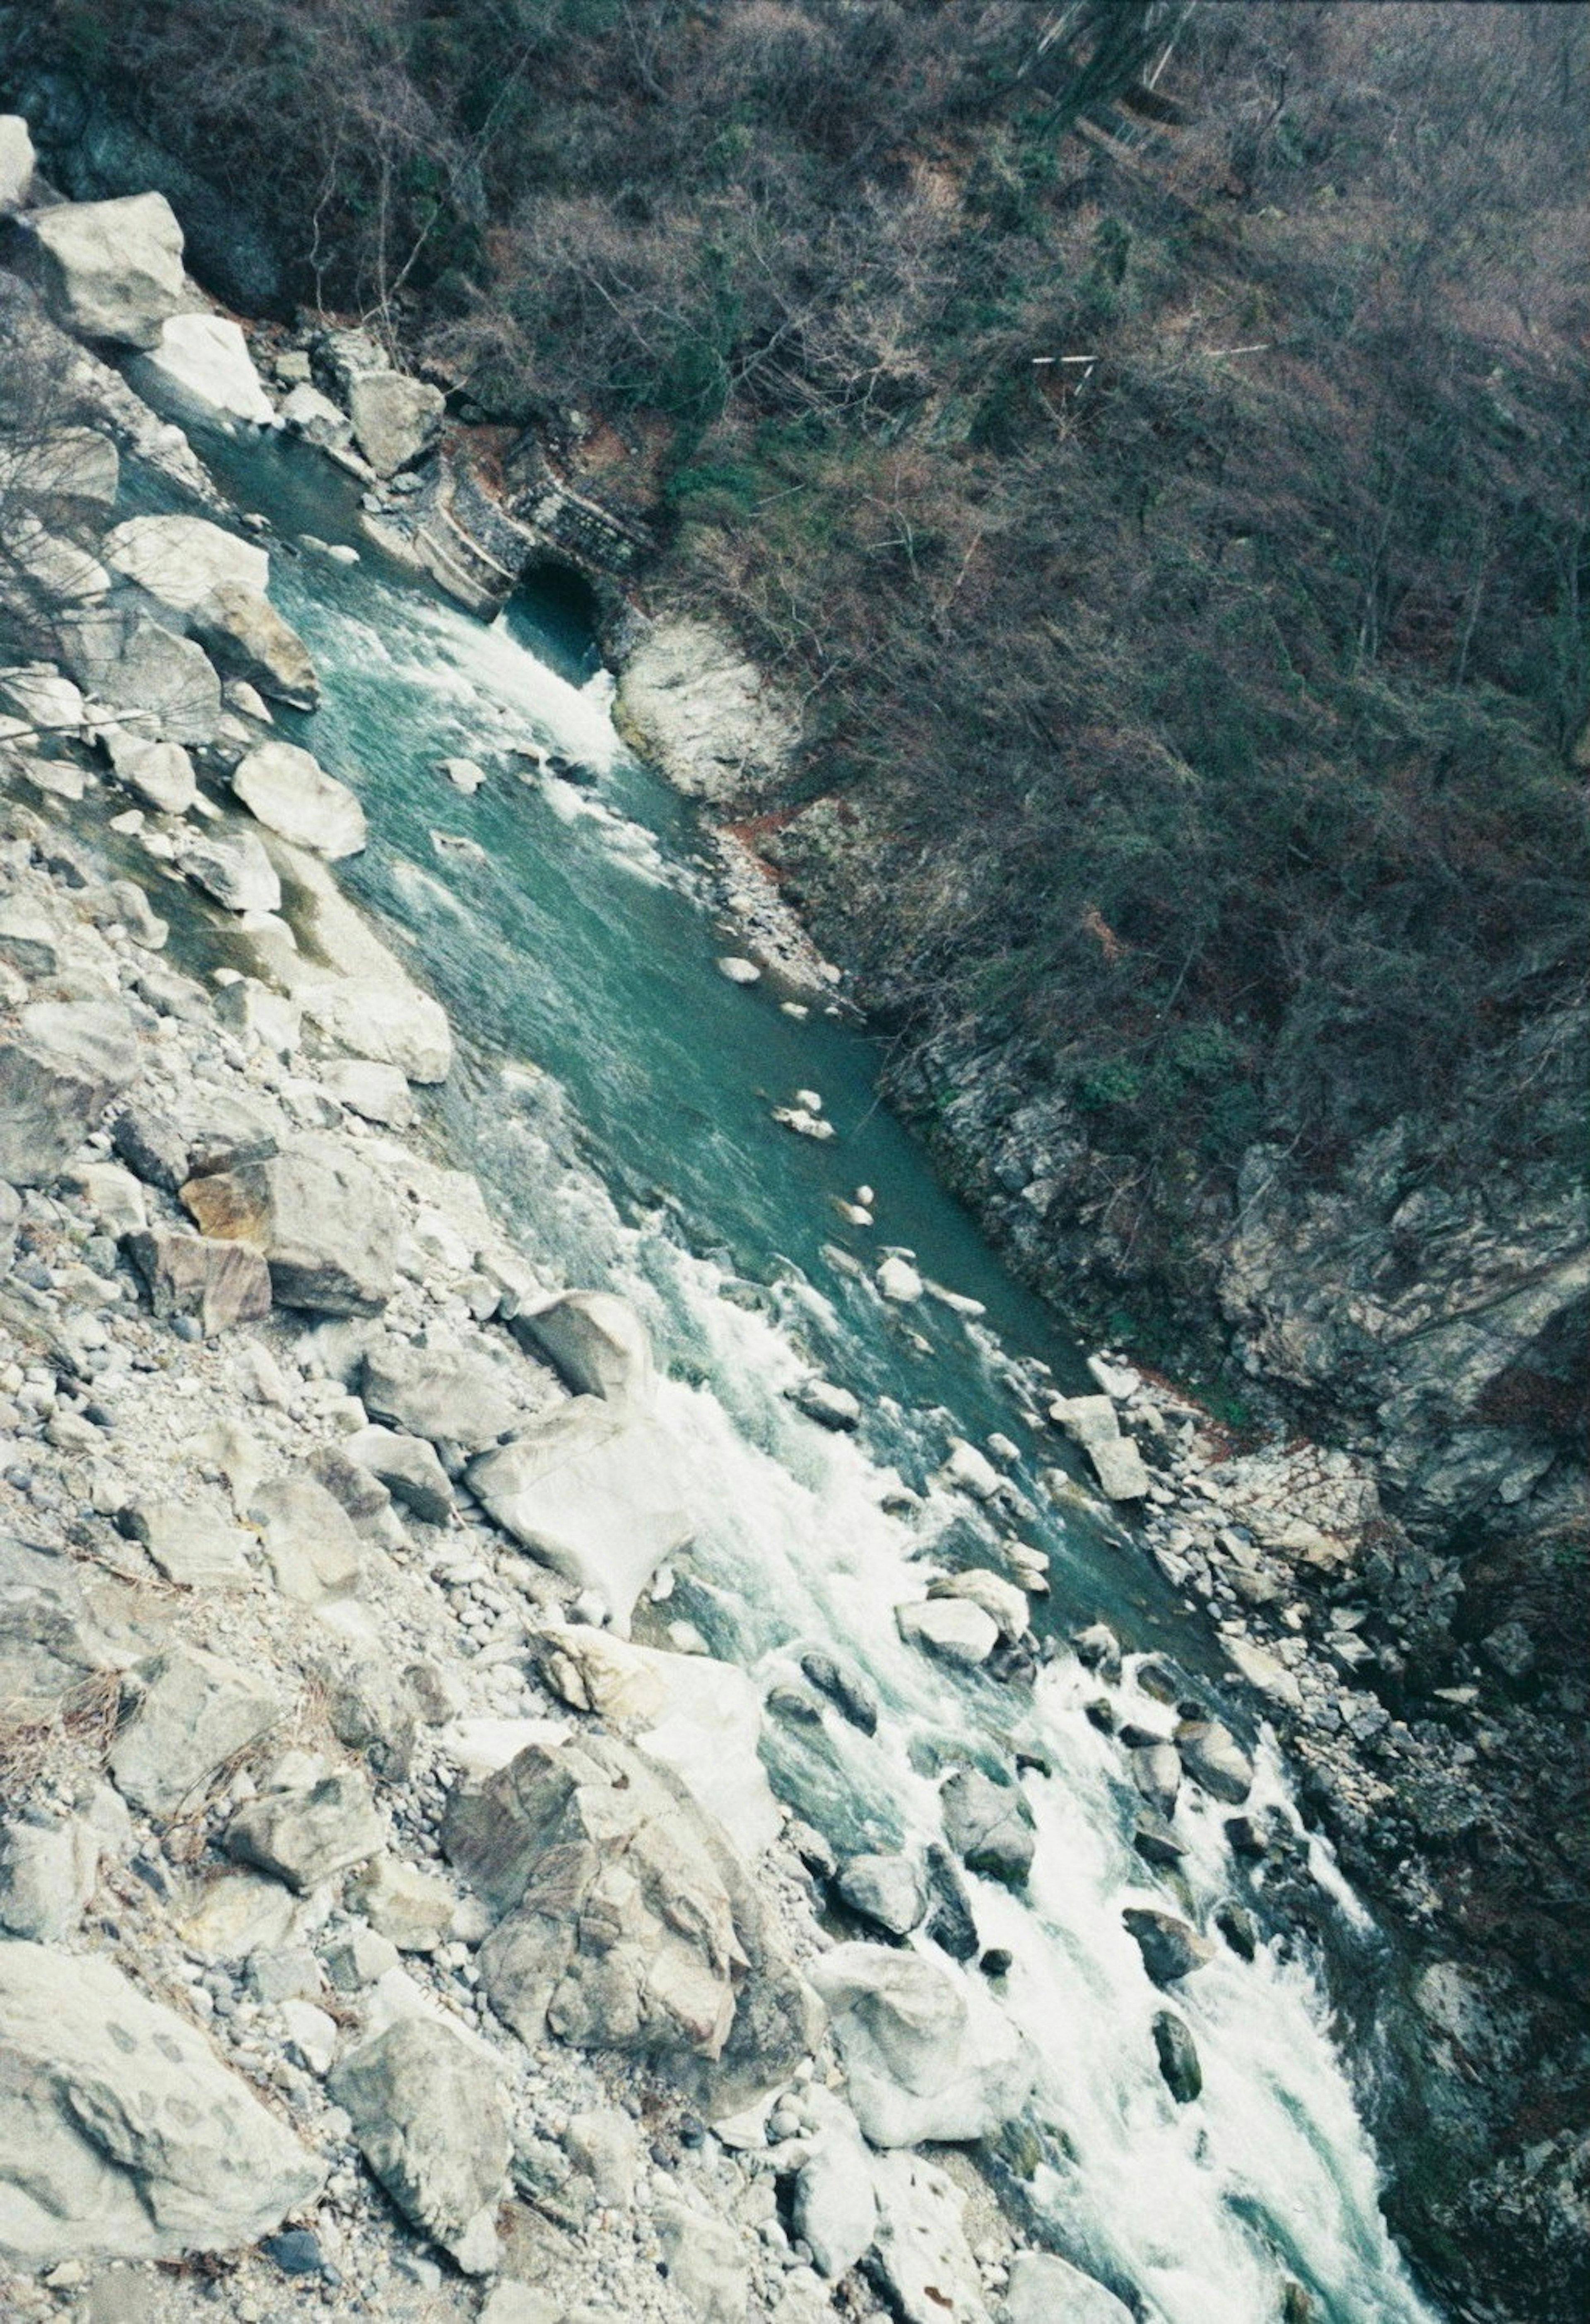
(315, 1772)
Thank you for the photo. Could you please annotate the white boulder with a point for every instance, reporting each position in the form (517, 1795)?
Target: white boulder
(200, 364)
(116, 268)
(180, 559)
(388, 1021)
(16, 162)
(288, 791)
(928, 2055)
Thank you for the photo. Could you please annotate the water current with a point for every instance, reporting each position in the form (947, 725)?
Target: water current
(613, 1094)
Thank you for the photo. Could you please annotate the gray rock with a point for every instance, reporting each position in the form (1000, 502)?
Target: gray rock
(48, 1872)
(887, 1890)
(952, 1628)
(518, 2303)
(327, 1229)
(306, 1837)
(951, 1921)
(195, 1713)
(407, 1467)
(413, 1909)
(845, 1688)
(928, 2055)
(922, 2255)
(133, 663)
(121, 2133)
(1119, 1466)
(359, 1958)
(588, 1488)
(1177, 2057)
(223, 1284)
(59, 1068)
(246, 638)
(705, 2262)
(1170, 1948)
(703, 711)
(989, 1825)
(179, 560)
(152, 1147)
(832, 1407)
(192, 1546)
(834, 2210)
(394, 417)
(378, 1094)
(429, 2113)
(311, 1545)
(620, 1932)
(289, 792)
(1155, 1839)
(16, 162)
(605, 2144)
(1043, 2290)
(1156, 1770)
(1215, 1760)
(115, 268)
(234, 868)
(50, 1647)
(386, 1020)
(447, 1395)
(596, 1342)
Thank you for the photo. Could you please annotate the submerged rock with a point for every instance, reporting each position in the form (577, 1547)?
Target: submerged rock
(1170, 1948)
(1177, 2057)
(989, 1825)
(952, 1628)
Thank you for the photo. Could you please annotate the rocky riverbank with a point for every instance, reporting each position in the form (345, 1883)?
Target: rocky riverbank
(384, 1926)
(328, 1522)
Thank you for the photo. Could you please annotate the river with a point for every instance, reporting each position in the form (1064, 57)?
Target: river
(613, 1093)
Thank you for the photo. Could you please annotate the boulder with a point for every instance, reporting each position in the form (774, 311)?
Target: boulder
(192, 1546)
(989, 1825)
(887, 1890)
(618, 1931)
(315, 418)
(928, 2056)
(1156, 1770)
(394, 417)
(196, 1712)
(1001, 1601)
(706, 2261)
(131, 662)
(1215, 1760)
(898, 1281)
(971, 1470)
(1177, 2057)
(463, 774)
(412, 1909)
(115, 269)
(1170, 1948)
(287, 790)
(121, 2135)
(159, 773)
(834, 2209)
(199, 366)
(448, 1394)
(704, 713)
(951, 1921)
(1043, 2290)
(952, 1628)
(57, 569)
(409, 1469)
(389, 1023)
(849, 1692)
(181, 559)
(50, 1647)
(247, 640)
(1119, 1466)
(924, 2257)
(16, 162)
(311, 1543)
(59, 1068)
(595, 1340)
(588, 1488)
(77, 464)
(305, 1837)
(234, 868)
(428, 2112)
(223, 1284)
(327, 1229)
(48, 1872)
(378, 1094)
(830, 1405)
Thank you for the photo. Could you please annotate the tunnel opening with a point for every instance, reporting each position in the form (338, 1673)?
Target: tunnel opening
(556, 612)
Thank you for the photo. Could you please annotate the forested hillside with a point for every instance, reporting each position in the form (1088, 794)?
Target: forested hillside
(1149, 441)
